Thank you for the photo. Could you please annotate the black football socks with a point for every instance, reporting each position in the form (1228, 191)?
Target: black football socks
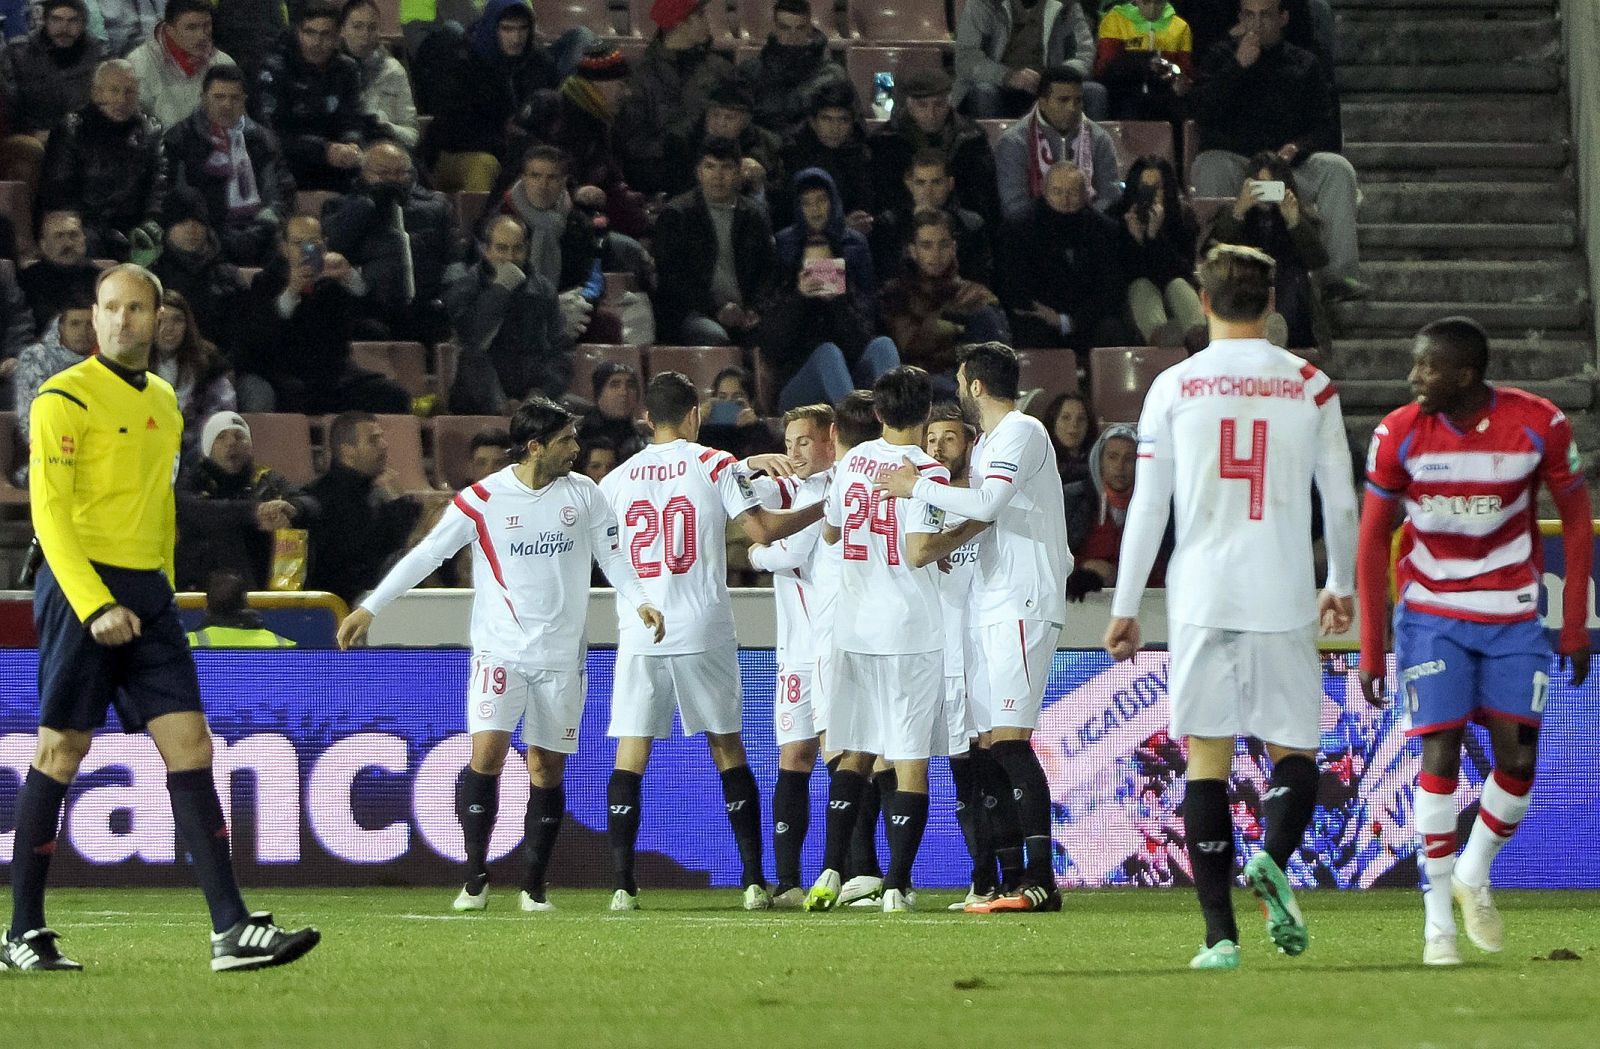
(547, 807)
(203, 833)
(875, 798)
(973, 819)
(1209, 827)
(791, 818)
(1005, 828)
(1032, 791)
(844, 807)
(477, 805)
(1288, 805)
(38, 821)
(622, 826)
(743, 801)
(907, 820)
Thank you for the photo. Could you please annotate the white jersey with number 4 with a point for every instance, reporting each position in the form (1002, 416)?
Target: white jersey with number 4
(884, 605)
(1233, 439)
(673, 502)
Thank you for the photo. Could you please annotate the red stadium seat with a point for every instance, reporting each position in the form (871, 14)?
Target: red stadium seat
(1050, 371)
(898, 21)
(1120, 375)
(16, 204)
(700, 363)
(588, 356)
(404, 434)
(1137, 138)
(404, 362)
(9, 452)
(389, 20)
(863, 63)
(1191, 149)
(283, 442)
(446, 356)
(555, 17)
(452, 445)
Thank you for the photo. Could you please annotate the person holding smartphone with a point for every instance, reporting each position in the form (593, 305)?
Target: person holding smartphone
(1157, 239)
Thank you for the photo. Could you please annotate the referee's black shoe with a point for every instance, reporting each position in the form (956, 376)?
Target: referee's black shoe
(36, 951)
(256, 943)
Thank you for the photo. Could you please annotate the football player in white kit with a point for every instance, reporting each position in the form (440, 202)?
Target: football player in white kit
(1232, 440)
(674, 500)
(1019, 601)
(888, 685)
(535, 528)
(808, 442)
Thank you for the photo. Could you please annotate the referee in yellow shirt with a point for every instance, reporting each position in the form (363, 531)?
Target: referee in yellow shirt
(103, 454)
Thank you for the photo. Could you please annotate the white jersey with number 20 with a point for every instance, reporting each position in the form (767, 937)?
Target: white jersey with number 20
(673, 502)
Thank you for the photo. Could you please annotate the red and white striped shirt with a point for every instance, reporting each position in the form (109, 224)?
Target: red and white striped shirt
(1469, 546)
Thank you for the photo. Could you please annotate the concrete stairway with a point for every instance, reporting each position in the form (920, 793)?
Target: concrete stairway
(1456, 118)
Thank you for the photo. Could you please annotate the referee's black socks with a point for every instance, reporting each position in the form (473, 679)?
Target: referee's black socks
(1288, 805)
(197, 814)
(477, 804)
(38, 820)
(622, 826)
(1032, 792)
(743, 801)
(791, 818)
(547, 806)
(1208, 824)
(844, 804)
(907, 820)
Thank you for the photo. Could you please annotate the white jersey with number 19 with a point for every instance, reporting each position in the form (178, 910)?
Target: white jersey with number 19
(673, 502)
(1234, 437)
(884, 605)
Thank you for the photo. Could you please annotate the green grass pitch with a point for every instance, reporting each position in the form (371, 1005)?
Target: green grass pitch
(397, 969)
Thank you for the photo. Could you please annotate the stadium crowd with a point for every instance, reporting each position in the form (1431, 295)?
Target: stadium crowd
(518, 202)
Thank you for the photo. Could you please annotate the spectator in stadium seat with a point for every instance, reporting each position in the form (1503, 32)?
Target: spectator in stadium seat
(509, 326)
(1145, 59)
(68, 338)
(596, 458)
(1061, 280)
(190, 363)
(1264, 94)
(930, 309)
(235, 164)
(1290, 232)
(833, 139)
(1096, 509)
(730, 114)
(63, 271)
(229, 505)
(400, 237)
(16, 335)
(579, 119)
(296, 333)
(385, 88)
(668, 94)
(171, 65)
(1055, 130)
(722, 252)
(362, 519)
(475, 110)
(43, 77)
(746, 434)
(1158, 238)
(792, 65)
(819, 209)
(309, 95)
(1072, 429)
(1003, 48)
(128, 23)
(105, 162)
(191, 263)
(1310, 25)
(924, 120)
(488, 452)
(930, 188)
(615, 417)
(249, 30)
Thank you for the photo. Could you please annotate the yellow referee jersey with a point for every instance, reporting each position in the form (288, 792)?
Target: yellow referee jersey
(102, 458)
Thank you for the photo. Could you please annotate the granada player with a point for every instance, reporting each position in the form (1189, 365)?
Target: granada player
(1232, 440)
(675, 499)
(535, 527)
(1463, 464)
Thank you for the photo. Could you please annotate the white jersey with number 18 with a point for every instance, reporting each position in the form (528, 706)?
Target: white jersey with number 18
(673, 502)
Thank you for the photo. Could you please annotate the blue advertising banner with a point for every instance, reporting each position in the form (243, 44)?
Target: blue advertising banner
(339, 769)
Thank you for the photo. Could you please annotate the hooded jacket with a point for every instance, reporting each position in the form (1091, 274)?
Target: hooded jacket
(850, 167)
(861, 281)
(783, 77)
(38, 90)
(471, 108)
(1088, 509)
(984, 29)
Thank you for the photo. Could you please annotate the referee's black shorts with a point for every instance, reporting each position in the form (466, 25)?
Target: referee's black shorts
(149, 676)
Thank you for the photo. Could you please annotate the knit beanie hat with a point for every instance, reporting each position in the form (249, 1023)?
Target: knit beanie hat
(217, 425)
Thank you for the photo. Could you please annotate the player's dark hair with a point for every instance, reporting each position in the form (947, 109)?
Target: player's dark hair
(342, 431)
(536, 419)
(489, 439)
(670, 398)
(1058, 75)
(1466, 339)
(994, 364)
(855, 418)
(902, 397)
(1238, 281)
(951, 412)
(227, 72)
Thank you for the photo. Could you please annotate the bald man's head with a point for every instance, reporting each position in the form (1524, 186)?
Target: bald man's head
(1065, 188)
(386, 164)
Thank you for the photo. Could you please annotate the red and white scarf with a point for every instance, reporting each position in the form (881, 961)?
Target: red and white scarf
(229, 160)
(1044, 154)
(181, 58)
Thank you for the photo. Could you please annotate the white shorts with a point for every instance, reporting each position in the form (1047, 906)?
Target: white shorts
(548, 703)
(1227, 683)
(960, 729)
(1014, 661)
(891, 706)
(703, 687)
(791, 705)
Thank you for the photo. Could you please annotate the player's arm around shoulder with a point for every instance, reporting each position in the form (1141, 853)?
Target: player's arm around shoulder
(924, 523)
